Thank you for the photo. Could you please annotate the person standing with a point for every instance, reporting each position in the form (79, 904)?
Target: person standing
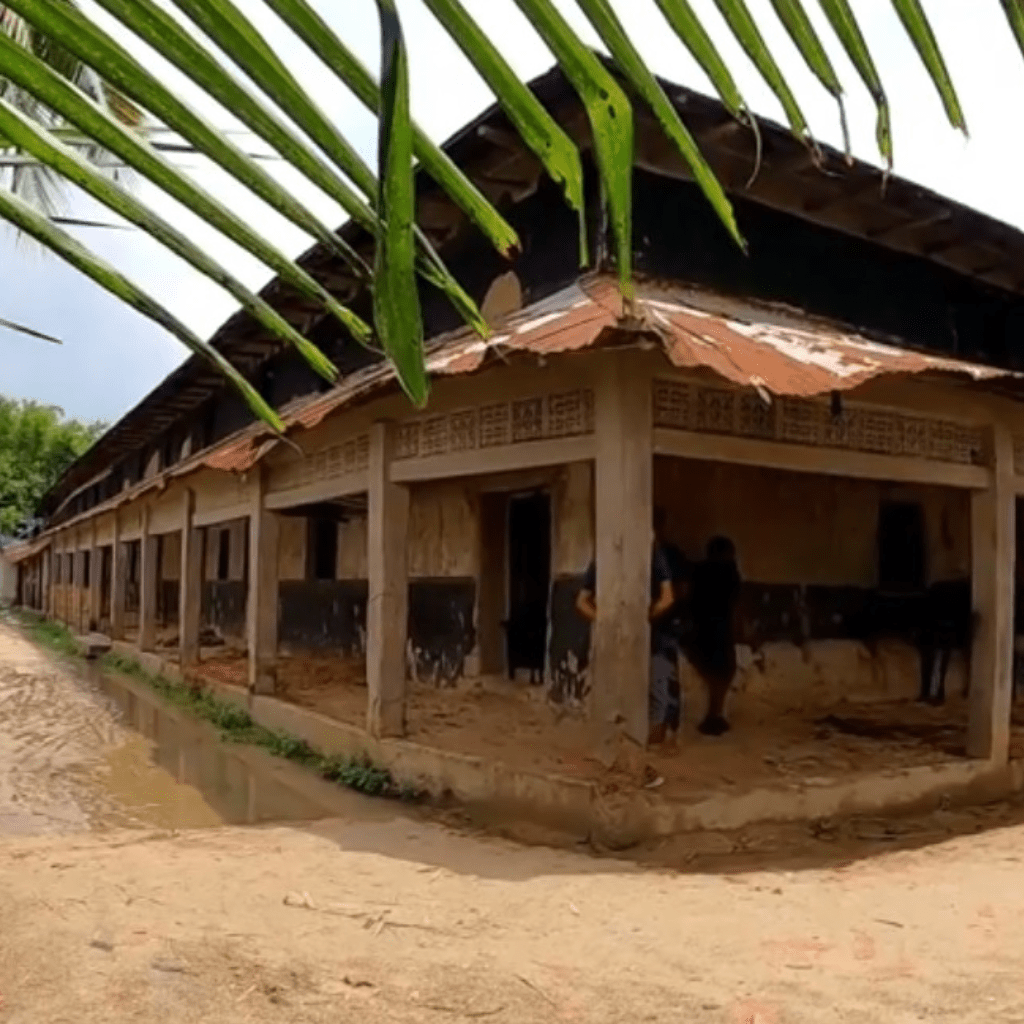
(664, 695)
(714, 605)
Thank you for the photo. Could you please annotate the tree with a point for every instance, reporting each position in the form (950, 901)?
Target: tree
(36, 445)
(384, 203)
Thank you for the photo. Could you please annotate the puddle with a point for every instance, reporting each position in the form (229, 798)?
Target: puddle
(86, 750)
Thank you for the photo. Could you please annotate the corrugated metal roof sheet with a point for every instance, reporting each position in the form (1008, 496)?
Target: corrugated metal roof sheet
(750, 351)
(757, 349)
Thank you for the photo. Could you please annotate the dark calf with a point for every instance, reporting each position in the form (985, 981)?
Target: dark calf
(947, 623)
(526, 635)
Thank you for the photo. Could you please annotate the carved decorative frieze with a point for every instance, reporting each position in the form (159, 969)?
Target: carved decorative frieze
(682, 406)
(539, 418)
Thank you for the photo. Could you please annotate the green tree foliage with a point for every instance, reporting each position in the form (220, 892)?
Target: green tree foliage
(36, 445)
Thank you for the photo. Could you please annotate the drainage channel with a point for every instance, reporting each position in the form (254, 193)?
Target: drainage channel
(82, 749)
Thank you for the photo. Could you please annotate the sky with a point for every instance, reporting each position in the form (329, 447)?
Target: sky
(111, 357)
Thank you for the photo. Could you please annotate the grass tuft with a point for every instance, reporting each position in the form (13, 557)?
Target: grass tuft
(235, 723)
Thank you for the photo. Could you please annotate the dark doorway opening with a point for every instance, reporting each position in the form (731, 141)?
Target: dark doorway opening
(106, 579)
(322, 548)
(901, 547)
(223, 554)
(529, 583)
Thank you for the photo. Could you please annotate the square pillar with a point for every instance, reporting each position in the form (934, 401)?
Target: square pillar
(118, 581)
(993, 556)
(48, 560)
(623, 505)
(261, 611)
(78, 563)
(95, 580)
(84, 581)
(66, 575)
(149, 573)
(388, 603)
(190, 591)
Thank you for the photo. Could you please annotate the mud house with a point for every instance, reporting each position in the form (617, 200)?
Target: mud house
(844, 404)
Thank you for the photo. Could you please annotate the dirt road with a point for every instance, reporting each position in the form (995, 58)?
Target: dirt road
(395, 917)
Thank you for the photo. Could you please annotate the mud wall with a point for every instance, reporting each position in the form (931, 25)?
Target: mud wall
(224, 601)
(809, 603)
(572, 514)
(443, 559)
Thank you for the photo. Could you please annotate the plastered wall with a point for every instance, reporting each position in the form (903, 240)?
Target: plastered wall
(801, 528)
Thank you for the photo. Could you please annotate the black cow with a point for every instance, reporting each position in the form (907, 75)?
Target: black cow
(947, 623)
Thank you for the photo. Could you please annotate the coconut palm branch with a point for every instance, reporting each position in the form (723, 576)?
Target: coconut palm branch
(381, 199)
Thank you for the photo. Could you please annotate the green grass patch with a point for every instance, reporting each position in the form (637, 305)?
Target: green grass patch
(236, 726)
(234, 723)
(54, 636)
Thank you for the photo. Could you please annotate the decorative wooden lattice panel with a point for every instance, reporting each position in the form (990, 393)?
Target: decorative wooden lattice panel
(542, 418)
(682, 406)
(350, 456)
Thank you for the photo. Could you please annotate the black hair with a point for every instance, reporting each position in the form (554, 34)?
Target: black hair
(721, 549)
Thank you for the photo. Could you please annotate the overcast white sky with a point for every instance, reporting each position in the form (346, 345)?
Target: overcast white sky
(111, 356)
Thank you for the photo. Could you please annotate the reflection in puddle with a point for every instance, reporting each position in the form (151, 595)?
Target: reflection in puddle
(178, 773)
(83, 750)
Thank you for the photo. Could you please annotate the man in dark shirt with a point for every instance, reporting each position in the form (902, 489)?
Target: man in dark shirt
(663, 702)
(714, 600)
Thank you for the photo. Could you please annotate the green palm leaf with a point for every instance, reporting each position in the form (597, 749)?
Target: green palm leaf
(27, 135)
(793, 16)
(845, 26)
(537, 128)
(35, 77)
(920, 31)
(611, 123)
(79, 35)
(317, 35)
(58, 241)
(396, 303)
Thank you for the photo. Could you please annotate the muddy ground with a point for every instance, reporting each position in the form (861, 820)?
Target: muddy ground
(388, 914)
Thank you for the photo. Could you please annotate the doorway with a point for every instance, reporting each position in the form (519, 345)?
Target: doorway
(515, 583)
(529, 584)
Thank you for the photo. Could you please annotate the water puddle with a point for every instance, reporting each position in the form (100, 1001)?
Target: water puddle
(81, 749)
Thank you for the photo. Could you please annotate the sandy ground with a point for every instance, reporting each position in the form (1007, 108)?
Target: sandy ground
(771, 745)
(386, 914)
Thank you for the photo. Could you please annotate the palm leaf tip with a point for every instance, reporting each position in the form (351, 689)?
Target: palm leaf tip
(915, 21)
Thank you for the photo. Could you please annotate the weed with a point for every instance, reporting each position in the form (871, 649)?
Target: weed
(234, 723)
(237, 726)
(54, 636)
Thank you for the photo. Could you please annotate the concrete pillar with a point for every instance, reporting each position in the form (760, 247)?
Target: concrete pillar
(84, 581)
(118, 581)
(95, 580)
(149, 574)
(190, 592)
(623, 485)
(993, 555)
(388, 608)
(78, 585)
(47, 605)
(65, 580)
(261, 609)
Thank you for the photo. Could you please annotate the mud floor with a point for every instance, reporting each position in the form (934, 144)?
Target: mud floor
(771, 745)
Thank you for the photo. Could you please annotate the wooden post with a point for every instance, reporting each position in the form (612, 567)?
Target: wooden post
(65, 585)
(82, 555)
(48, 590)
(190, 591)
(623, 483)
(118, 581)
(261, 611)
(993, 554)
(387, 610)
(149, 573)
(95, 579)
